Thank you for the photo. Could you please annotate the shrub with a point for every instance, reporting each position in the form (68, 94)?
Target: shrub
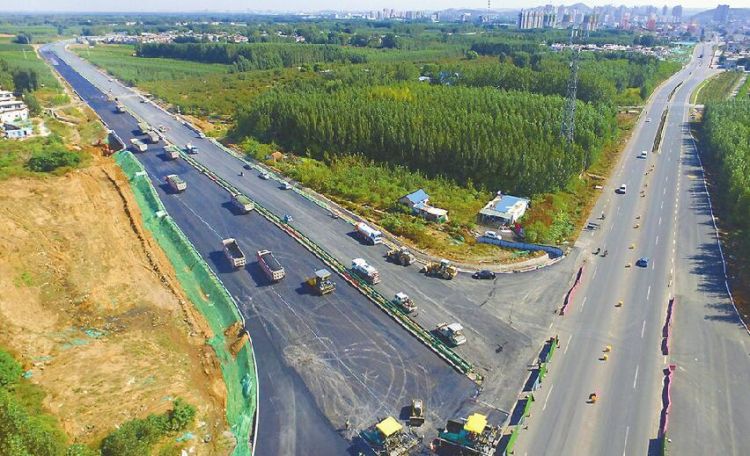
(10, 369)
(47, 161)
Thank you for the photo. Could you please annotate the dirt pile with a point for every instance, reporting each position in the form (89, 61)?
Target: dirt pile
(90, 305)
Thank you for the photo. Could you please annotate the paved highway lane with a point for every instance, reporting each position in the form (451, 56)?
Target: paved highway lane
(505, 320)
(321, 361)
(625, 419)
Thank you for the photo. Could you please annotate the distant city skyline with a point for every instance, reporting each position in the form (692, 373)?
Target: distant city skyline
(175, 6)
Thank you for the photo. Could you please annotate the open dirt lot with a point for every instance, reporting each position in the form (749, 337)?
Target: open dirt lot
(90, 305)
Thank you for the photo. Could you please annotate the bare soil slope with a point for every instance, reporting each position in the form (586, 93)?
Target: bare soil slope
(91, 306)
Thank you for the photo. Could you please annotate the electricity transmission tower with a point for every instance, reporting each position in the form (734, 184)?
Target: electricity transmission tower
(567, 128)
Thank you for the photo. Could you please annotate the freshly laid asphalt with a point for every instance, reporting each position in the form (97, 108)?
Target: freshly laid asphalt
(321, 360)
(506, 320)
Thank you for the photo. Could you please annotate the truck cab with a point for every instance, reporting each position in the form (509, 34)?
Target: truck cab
(453, 333)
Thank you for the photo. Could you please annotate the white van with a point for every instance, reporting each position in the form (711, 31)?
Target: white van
(644, 154)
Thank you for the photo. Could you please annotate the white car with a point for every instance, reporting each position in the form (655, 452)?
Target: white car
(265, 176)
(648, 119)
(644, 154)
(623, 189)
(491, 235)
(286, 186)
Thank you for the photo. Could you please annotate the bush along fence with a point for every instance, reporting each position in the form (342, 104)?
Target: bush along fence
(571, 292)
(209, 296)
(666, 400)
(436, 344)
(522, 410)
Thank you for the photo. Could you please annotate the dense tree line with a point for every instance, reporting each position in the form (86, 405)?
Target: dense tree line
(726, 130)
(500, 140)
(254, 56)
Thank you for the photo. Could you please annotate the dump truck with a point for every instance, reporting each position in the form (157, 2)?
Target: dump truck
(143, 128)
(401, 256)
(233, 253)
(176, 183)
(416, 413)
(404, 302)
(368, 273)
(368, 234)
(442, 269)
(119, 108)
(242, 203)
(321, 282)
(137, 145)
(453, 333)
(388, 438)
(152, 137)
(172, 152)
(273, 269)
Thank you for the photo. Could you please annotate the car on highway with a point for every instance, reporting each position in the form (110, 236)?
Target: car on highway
(642, 262)
(623, 189)
(201, 135)
(286, 186)
(162, 128)
(247, 166)
(484, 274)
(644, 154)
(648, 119)
(264, 176)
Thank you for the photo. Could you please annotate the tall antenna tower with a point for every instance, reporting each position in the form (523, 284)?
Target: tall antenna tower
(567, 128)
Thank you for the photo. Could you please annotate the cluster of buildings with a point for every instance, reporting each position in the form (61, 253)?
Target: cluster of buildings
(164, 37)
(622, 17)
(14, 117)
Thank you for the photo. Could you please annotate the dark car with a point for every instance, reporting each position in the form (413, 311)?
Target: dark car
(642, 262)
(247, 166)
(484, 274)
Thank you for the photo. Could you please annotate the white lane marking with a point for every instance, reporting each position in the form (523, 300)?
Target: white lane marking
(551, 323)
(643, 329)
(583, 303)
(664, 192)
(659, 220)
(610, 228)
(594, 274)
(618, 210)
(657, 240)
(568, 344)
(648, 292)
(625, 449)
(547, 398)
(662, 205)
(635, 378)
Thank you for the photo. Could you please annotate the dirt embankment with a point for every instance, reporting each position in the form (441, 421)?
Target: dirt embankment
(90, 304)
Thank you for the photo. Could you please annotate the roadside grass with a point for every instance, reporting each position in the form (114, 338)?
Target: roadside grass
(744, 90)
(24, 57)
(718, 88)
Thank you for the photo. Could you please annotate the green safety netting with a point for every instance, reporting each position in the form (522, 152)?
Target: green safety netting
(208, 295)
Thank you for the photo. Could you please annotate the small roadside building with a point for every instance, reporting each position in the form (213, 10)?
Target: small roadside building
(13, 111)
(419, 203)
(503, 210)
(17, 130)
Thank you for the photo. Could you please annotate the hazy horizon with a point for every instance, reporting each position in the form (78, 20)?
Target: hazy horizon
(220, 6)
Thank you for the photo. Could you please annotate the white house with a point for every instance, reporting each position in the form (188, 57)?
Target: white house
(13, 111)
(503, 210)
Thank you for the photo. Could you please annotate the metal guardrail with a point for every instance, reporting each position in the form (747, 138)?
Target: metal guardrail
(422, 334)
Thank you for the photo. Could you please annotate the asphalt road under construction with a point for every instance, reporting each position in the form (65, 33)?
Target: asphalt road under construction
(506, 320)
(664, 216)
(321, 360)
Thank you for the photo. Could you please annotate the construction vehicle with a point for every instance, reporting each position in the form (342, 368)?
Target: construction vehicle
(416, 414)
(388, 438)
(176, 183)
(321, 282)
(401, 256)
(119, 108)
(368, 273)
(233, 253)
(152, 137)
(472, 437)
(172, 152)
(443, 269)
(242, 203)
(368, 234)
(403, 301)
(453, 333)
(138, 146)
(190, 148)
(142, 128)
(270, 265)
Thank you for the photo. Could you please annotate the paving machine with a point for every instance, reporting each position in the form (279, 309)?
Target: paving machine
(388, 438)
(471, 437)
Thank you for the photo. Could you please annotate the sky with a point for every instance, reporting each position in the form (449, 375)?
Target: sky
(316, 5)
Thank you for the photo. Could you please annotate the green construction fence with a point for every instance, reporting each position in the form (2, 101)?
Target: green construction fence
(209, 296)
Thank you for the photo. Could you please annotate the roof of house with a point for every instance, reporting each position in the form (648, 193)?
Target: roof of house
(417, 197)
(500, 206)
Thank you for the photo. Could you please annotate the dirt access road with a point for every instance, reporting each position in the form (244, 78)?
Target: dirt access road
(91, 307)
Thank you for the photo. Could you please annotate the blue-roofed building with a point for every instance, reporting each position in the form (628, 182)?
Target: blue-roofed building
(503, 210)
(419, 202)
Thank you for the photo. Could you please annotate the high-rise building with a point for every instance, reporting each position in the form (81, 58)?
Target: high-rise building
(677, 13)
(721, 15)
(664, 11)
